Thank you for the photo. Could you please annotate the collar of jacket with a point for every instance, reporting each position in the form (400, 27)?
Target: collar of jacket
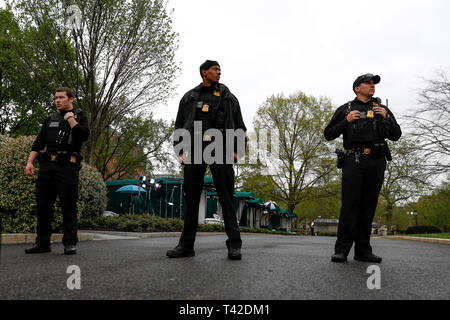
(224, 91)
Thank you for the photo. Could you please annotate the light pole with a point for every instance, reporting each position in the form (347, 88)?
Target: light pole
(415, 213)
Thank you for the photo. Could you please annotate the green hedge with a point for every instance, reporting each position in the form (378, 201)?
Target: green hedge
(149, 223)
(422, 230)
(17, 191)
(131, 223)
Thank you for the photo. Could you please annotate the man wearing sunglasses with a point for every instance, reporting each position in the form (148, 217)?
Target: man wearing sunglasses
(365, 125)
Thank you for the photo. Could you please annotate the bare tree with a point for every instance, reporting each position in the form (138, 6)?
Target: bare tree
(430, 123)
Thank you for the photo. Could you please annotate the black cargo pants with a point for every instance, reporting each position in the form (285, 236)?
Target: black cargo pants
(62, 181)
(361, 185)
(223, 176)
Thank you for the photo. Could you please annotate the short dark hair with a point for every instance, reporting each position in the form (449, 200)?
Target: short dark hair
(208, 64)
(67, 90)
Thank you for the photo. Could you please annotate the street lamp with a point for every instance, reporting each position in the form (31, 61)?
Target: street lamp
(411, 214)
(415, 213)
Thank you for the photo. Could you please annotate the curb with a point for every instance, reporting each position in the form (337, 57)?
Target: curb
(420, 239)
(17, 238)
(87, 235)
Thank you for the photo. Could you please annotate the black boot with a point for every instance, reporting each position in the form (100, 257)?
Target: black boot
(70, 249)
(38, 248)
(339, 257)
(234, 253)
(368, 257)
(180, 252)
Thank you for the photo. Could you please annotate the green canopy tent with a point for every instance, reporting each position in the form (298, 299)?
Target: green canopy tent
(165, 199)
(255, 212)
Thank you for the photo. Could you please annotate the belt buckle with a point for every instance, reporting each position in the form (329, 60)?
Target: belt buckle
(366, 151)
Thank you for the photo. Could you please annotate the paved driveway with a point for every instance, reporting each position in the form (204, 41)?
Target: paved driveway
(272, 268)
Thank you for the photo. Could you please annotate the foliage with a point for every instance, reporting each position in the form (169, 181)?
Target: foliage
(28, 74)
(132, 145)
(131, 223)
(406, 177)
(17, 196)
(422, 229)
(433, 209)
(303, 160)
(124, 49)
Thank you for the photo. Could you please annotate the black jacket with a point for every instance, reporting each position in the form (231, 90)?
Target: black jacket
(339, 123)
(230, 106)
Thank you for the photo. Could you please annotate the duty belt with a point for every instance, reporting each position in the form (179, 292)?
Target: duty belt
(358, 152)
(62, 157)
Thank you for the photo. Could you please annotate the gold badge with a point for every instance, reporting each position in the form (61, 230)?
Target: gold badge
(207, 138)
(366, 151)
(205, 108)
(217, 93)
(75, 116)
(73, 159)
(375, 104)
(370, 114)
(53, 158)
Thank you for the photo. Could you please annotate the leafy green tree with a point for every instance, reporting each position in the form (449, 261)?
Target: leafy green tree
(28, 76)
(406, 177)
(124, 49)
(304, 159)
(132, 147)
(434, 209)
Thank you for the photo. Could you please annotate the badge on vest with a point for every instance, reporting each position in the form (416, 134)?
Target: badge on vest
(217, 93)
(370, 114)
(205, 108)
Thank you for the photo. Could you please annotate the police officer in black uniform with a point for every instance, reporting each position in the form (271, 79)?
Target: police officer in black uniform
(365, 125)
(57, 148)
(215, 107)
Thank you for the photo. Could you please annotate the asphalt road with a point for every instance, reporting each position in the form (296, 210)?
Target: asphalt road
(272, 268)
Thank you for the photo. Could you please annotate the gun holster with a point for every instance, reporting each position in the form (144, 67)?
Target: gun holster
(340, 158)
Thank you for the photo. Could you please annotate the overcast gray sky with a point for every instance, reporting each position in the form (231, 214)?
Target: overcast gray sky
(318, 47)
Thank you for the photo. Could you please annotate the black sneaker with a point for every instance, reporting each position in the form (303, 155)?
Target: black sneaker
(234, 253)
(339, 257)
(368, 257)
(70, 249)
(37, 248)
(180, 252)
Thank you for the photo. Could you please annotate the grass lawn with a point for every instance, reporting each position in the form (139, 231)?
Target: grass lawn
(432, 235)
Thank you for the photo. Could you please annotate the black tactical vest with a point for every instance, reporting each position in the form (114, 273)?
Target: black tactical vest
(59, 133)
(366, 129)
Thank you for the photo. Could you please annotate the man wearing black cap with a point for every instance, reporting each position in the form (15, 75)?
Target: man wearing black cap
(213, 106)
(365, 125)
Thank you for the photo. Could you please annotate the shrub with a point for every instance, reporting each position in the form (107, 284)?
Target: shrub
(422, 230)
(17, 191)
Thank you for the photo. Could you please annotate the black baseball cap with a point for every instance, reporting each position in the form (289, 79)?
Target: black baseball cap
(366, 78)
